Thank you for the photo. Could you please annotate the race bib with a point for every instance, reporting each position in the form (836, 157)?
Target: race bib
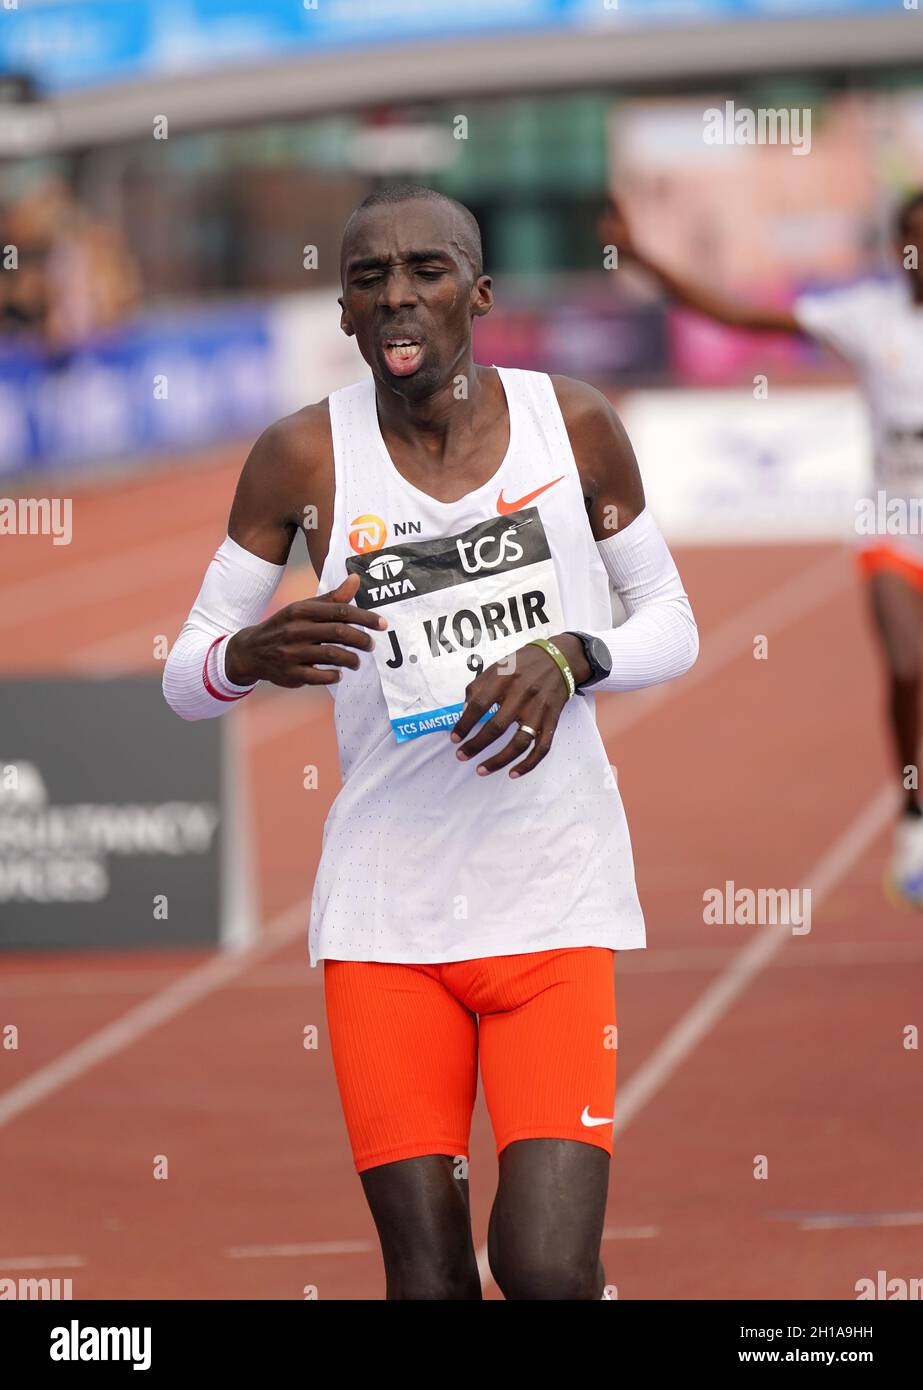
(455, 606)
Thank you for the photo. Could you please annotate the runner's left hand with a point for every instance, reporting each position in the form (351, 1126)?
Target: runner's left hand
(529, 689)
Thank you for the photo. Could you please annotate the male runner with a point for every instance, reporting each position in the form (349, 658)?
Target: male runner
(878, 327)
(476, 876)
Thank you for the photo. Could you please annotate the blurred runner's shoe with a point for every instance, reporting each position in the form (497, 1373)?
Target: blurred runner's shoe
(905, 873)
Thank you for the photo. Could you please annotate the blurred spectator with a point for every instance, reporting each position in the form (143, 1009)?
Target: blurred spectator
(75, 275)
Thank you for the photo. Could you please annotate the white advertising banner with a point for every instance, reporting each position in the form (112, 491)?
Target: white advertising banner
(311, 354)
(725, 466)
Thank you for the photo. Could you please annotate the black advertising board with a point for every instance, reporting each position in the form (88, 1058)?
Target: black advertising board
(112, 824)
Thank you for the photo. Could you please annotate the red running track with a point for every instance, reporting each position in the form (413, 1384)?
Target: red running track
(735, 1041)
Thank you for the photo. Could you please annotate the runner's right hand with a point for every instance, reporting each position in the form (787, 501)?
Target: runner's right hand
(289, 647)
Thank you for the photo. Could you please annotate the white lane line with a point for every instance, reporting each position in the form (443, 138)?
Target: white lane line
(714, 1002)
(316, 1247)
(829, 954)
(652, 961)
(795, 598)
(688, 1032)
(631, 1232)
(82, 584)
(845, 1221)
(126, 651)
(42, 1262)
(133, 650)
(39, 986)
(152, 1013)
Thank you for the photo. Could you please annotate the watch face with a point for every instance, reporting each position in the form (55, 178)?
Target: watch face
(599, 657)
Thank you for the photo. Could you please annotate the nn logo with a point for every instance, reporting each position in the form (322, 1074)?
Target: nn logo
(367, 533)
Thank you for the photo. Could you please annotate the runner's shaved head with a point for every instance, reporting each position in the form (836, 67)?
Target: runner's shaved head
(467, 231)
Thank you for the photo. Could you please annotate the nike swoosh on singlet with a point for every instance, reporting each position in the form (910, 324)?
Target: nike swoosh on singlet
(587, 1119)
(504, 507)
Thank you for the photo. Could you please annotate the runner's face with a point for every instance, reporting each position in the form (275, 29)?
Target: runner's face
(409, 294)
(912, 236)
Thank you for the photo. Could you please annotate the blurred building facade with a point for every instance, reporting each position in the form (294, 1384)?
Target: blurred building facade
(188, 246)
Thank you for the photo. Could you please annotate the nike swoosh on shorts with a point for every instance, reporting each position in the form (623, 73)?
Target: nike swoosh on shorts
(589, 1120)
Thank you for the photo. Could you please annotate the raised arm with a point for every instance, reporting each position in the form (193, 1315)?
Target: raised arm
(615, 230)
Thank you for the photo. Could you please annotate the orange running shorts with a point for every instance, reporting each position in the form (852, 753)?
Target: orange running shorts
(406, 1040)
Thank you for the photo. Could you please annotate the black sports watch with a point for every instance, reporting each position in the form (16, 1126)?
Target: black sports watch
(598, 656)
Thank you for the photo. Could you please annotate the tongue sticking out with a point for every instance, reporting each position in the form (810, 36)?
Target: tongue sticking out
(402, 359)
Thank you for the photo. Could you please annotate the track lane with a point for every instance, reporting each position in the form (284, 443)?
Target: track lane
(758, 766)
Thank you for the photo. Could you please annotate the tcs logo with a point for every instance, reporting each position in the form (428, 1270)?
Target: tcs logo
(367, 533)
(474, 555)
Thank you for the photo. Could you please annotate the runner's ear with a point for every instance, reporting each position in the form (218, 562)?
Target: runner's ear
(482, 296)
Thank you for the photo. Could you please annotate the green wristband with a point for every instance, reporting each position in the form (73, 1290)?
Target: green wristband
(559, 659)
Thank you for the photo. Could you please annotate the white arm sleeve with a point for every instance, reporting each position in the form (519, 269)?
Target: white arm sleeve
(237, 587)
(659, 639)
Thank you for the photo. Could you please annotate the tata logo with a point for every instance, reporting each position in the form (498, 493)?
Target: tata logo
(367, 533)
(475, 555)
(386, 569)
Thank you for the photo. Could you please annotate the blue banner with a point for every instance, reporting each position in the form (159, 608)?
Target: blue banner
(72, 43)
(162, 384)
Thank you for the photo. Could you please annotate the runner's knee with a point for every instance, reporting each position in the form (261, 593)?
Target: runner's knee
(433, 1278)
(544, 1274)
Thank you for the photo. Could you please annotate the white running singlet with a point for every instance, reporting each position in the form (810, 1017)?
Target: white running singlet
(423, 860)
(877, 327)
